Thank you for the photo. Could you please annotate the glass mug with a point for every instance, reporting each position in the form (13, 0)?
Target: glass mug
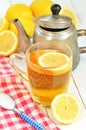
(47, 81)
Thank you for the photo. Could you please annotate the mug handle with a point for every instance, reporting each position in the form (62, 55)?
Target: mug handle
(17, 62)
(82, 32)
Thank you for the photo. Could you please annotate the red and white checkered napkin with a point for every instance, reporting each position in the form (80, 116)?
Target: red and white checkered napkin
(15, 87)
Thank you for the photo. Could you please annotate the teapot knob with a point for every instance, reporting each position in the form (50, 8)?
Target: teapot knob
(55, 8)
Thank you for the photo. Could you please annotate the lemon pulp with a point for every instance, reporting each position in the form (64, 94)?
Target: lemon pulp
(66, 108)
(8, 42)
(56, 61)
(53, 59)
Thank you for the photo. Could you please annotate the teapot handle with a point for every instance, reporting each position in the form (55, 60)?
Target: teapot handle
(82, 49)
(82, 32)
(17, 62)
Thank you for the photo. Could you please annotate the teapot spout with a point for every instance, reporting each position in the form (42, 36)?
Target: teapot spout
(24, 40)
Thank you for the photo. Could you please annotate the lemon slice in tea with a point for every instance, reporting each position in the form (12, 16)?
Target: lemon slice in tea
(53, 59)
(56, 61)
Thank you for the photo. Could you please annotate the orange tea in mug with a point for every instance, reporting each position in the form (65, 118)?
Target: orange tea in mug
(49, 66)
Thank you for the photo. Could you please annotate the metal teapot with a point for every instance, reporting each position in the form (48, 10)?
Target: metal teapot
(53, 27)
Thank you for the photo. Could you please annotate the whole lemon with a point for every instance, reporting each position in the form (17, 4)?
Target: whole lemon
(18, 10)
(28, 25)
(41, 7)
(4, 24)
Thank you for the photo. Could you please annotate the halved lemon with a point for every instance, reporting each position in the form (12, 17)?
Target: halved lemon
(4, 24)
(55, 61)
(70, 13)
(8, 43)
(66, 108)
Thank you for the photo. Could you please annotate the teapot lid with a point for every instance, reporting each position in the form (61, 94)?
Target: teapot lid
(54, 21)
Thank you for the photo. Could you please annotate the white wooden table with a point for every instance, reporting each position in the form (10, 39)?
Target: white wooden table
(78, 79)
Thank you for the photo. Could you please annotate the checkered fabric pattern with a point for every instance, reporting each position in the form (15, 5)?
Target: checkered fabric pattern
(12, 85)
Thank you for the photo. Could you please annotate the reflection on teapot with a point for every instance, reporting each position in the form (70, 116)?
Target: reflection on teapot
(53, 27)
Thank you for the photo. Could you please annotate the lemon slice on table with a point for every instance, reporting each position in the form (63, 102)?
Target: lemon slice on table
(66, 108)
(8, 43)
(4, 24)
(70, 13)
